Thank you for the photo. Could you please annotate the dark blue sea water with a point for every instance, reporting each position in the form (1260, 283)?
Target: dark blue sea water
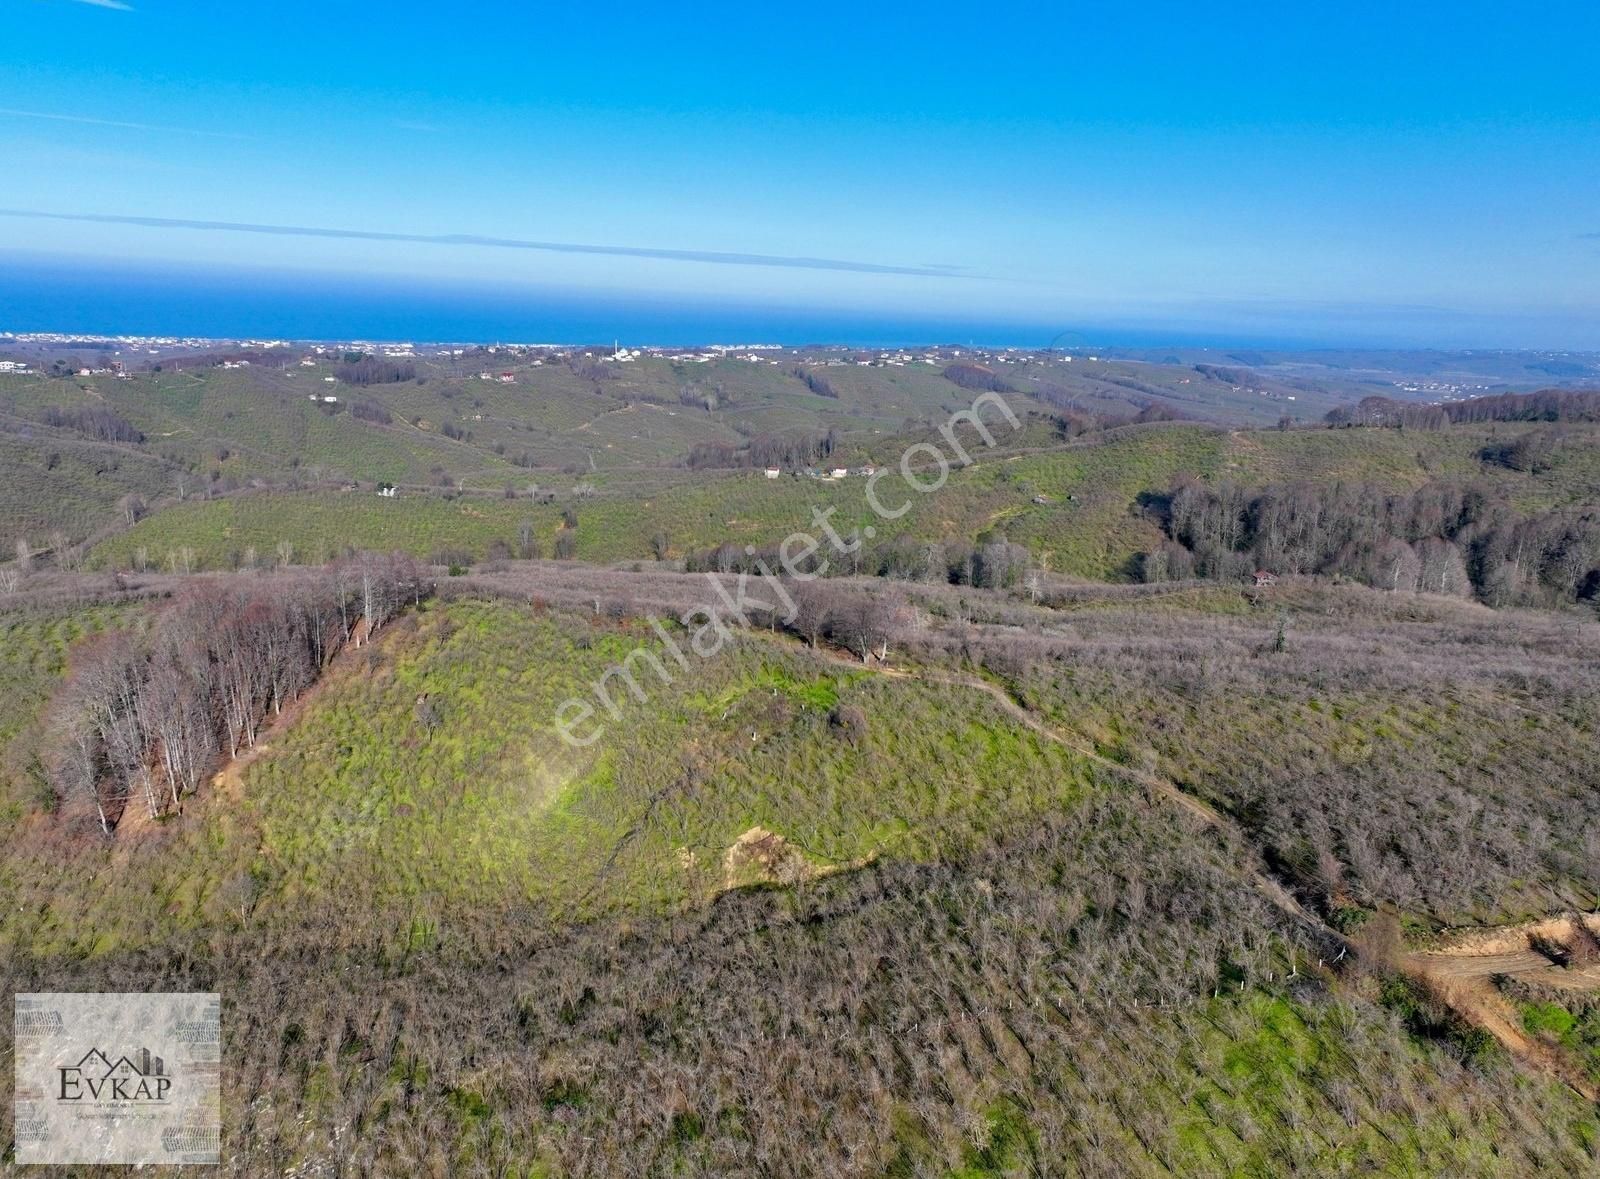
(51, 295)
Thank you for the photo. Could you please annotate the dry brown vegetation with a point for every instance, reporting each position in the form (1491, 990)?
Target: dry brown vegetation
(1084, 982)
(144, 719)
(1409, 752)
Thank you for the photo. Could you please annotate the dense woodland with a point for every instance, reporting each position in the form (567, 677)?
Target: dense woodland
(788, 451)
(993, 563)
(977, 378)
(1547, 405)
(814, 381)
(375, 370)
(1442, 539)
(94, 422)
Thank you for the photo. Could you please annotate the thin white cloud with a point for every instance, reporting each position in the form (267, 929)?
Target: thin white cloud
(92, 122)
(118, 5)
(716, 257)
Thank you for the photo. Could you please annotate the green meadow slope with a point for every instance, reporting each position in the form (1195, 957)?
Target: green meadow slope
(1077, 506)
(628, 429)
(66, 485)
(843, 919)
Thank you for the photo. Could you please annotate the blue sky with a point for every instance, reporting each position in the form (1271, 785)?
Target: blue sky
(1148, 164)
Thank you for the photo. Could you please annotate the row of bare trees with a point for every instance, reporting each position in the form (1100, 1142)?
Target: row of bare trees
(1547, 405)
(93, 421)
(1442, 538)
(865, 623)
(789, 451)
(993, 563)
(144, 719)
(374, 370)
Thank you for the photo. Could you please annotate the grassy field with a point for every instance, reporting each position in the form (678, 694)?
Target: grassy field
(1571, 1024)
(266, 424)
(582, 415)
(629, 429)
(788, 906)
(33, 654)
(70, 486)
(358, 805)
(1089, 528)
(1089, 524)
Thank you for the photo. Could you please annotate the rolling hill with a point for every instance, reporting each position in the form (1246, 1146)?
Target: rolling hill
(947, 914)
(1149, 797)
(1081, 508)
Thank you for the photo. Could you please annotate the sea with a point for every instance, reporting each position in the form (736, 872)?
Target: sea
(39, 294)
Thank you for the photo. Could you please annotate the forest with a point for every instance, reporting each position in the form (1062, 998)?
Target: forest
(374, 370)
(1452, 539)
(788, 451)
(1547, 405)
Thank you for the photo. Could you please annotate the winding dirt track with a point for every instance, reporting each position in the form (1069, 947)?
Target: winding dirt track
(1460, 970)
(1161, 787)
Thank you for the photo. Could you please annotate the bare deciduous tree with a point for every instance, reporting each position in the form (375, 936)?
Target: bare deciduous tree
(815, 606)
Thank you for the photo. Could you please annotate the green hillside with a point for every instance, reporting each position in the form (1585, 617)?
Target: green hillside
(785, 878)
(67, 485)
(632, 428)
(1042, 839)
(34, 647)
(1090, 522)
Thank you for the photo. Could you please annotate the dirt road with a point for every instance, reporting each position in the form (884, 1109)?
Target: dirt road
(1460, 970)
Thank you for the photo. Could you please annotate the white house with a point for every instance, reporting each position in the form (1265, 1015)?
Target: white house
(838, 473)
(773, 472)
